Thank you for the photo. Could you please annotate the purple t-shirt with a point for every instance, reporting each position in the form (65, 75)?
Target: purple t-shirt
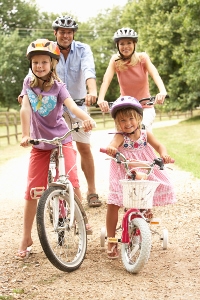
(47, 109)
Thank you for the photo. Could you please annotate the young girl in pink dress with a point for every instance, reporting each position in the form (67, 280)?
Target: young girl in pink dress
(133, 143)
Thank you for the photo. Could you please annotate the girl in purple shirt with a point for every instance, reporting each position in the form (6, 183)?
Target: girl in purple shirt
(41, 117)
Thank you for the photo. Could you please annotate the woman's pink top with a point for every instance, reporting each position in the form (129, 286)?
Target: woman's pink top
(133, 81)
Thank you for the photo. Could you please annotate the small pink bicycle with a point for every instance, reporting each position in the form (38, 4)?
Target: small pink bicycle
(137, 199)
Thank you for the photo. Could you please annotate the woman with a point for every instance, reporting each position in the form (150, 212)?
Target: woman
(132, 69)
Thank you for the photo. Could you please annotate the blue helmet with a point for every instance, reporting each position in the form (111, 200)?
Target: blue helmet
(126, 102)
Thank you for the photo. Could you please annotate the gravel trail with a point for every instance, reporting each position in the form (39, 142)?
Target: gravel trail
(169, 274)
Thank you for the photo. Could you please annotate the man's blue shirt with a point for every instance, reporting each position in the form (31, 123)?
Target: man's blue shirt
(78, 67)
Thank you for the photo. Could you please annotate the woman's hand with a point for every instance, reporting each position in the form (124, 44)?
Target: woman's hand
(103, 105)
(160, 98)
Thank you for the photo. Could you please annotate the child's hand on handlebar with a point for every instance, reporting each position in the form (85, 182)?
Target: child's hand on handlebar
(167, 159)
(88, 125)
(25, 141)
(111, 151)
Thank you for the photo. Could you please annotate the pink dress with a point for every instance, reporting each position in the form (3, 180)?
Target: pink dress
(141, 150)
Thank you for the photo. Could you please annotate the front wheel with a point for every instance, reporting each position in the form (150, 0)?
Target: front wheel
(65, 247)
(136, 253)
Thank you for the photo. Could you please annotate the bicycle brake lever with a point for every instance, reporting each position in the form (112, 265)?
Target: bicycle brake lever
(117, 156)
(159, 162)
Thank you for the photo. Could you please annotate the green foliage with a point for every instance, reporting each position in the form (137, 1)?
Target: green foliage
(168, 31)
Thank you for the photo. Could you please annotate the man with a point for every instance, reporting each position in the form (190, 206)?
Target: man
(76, 68)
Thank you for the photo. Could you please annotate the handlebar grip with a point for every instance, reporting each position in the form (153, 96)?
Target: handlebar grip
(172, 161)
(33, 142)
(103, 150)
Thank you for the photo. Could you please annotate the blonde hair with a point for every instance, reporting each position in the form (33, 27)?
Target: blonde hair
(127, 112)
(53, 75)
(123, 64)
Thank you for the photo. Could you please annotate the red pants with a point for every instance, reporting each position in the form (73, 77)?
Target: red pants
(39, 166)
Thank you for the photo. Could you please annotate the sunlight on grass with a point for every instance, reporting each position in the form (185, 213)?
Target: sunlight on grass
(182, 142)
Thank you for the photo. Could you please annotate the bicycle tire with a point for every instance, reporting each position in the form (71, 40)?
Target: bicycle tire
(136, 253)
(64, 247)
(50, 177)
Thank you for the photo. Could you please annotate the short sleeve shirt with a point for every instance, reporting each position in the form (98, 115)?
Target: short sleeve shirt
(47, 109)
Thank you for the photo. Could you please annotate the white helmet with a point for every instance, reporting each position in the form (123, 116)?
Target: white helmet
(65, 22)
(125, 33)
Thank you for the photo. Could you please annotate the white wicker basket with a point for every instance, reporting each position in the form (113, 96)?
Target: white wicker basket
(138, 193)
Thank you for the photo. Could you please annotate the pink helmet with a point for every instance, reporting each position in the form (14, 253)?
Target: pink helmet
(126, 102)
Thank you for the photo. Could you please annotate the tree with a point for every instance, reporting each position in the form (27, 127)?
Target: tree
(13, 68)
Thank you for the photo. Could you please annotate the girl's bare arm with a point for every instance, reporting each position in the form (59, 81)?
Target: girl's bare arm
(159, 147)
(112, 148)
(25, 116)
(107, 78)
(79, 113)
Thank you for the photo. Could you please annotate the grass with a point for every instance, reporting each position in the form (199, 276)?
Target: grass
(182, 142)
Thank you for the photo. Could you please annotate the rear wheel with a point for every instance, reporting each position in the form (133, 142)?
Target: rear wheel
(65, 247)
(103, 237)
(165, 239)
(136, 253)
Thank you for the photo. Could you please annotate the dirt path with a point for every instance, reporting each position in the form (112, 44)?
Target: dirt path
(169, 274)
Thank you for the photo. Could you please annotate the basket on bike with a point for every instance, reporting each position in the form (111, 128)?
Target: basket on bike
(138, 193)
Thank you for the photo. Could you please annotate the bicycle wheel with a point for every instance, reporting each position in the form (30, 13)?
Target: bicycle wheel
(103, 237)
(136, 253)
(164, 239)
(65, 247)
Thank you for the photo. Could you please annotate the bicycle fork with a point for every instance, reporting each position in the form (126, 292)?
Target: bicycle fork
(129, 215)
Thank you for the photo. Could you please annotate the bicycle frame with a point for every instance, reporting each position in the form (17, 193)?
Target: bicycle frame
(63, 178)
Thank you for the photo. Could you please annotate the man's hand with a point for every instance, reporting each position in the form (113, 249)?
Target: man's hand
(90, 99)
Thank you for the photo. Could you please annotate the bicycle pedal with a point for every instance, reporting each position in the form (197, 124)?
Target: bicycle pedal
(37, 192)
(155, 221)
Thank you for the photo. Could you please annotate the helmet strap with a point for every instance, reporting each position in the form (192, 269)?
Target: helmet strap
(124, 132)
(44, 80)
(63, 48)
(134, 131)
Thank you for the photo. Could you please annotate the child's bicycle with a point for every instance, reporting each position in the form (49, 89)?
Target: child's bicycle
(137, 200)
(61, 219)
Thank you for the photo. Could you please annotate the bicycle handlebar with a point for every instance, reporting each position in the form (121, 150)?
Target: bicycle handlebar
(80, 102)
(151, 100)
(57, 140)
(120, 158)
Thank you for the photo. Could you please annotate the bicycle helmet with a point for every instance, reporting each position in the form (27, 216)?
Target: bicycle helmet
(126, 102)
(65, 22)
(125, 33)
(43, 46)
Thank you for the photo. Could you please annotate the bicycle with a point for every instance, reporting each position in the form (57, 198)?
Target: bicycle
(137, 200)
(61, 219)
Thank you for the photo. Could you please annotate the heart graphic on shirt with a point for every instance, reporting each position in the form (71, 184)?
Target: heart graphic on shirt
(43, 104)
